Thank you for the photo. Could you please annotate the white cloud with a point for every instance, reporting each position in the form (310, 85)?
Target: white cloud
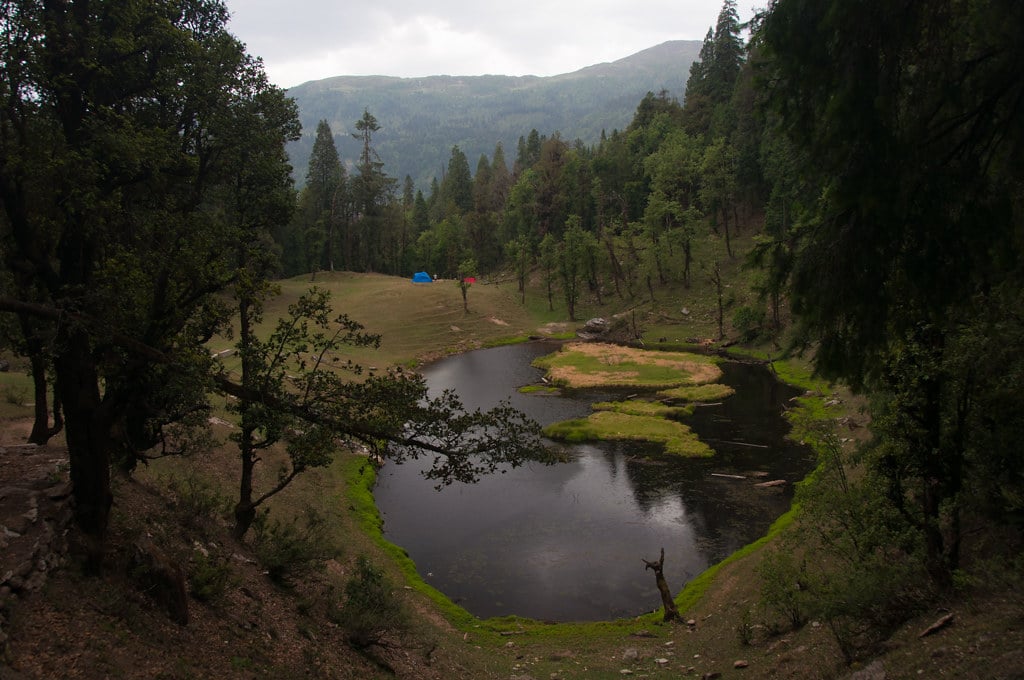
(305, 40)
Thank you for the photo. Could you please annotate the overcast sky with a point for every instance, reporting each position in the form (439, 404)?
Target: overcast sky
(303, 40)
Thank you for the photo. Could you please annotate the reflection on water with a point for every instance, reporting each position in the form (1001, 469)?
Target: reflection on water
(565, 542)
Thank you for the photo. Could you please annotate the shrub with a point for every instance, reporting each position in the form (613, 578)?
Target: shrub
(197, 501)
(209, 577)
(289, 550)
(371, 610)
(15, 395)
(783, 587)
(749, 322)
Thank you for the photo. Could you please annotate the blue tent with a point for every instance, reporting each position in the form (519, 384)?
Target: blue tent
(421, 277)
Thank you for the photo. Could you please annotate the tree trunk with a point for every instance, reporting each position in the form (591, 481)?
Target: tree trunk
(716, 278)
(88, 439)
(616, 266)
(725, 228)
(245, 510)
(671, 613)
(687, 259)
(41, 430)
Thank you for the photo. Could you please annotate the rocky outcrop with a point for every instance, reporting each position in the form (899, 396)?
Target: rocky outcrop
(35, 512)
(616, 329)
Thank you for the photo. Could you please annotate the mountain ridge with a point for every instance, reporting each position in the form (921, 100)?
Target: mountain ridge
(422, 118)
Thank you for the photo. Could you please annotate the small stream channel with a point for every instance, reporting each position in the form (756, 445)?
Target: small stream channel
(565, 542)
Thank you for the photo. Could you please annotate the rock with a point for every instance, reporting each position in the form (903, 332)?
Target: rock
(59, 491)
(691, 623)
(740, 663)
(24, 568)
(873, 671)
(661, 662)
(631, 654)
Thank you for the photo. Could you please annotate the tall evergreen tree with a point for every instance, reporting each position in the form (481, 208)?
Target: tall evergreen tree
(324, 196)
(371, 190)
(501, 180)
(909, 116)
(457, 187)
(727, 53)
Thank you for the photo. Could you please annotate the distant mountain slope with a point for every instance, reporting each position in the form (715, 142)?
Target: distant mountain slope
(422, 118)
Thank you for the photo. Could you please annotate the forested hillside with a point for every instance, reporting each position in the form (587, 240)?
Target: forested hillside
(422, 118)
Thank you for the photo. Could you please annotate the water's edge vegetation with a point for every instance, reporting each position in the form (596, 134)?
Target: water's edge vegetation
(360, 478)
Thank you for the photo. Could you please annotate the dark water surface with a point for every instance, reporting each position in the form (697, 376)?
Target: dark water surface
(565, 542)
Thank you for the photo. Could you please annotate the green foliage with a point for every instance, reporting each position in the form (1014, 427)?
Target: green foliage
(784, 586)
(855, 562)
(310, 241)
(574, 254)
(16, 395)
(539, 389)
(209, 577)
(283, 378)
(371, 611)
(142, 145)
(197, 501)
(613, 426)
(705, 393)
(457, 185)
(749, 322)
(291, 549)
(467, 270)
(909, 243)
(637, 407)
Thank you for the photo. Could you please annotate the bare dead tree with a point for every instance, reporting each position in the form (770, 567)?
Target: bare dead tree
(671, 613)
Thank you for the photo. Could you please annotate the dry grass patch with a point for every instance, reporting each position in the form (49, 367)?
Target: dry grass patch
(638, 407)
(584, 364)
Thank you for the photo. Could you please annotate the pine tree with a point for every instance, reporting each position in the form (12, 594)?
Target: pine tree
(323, 198)
(457, 187)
